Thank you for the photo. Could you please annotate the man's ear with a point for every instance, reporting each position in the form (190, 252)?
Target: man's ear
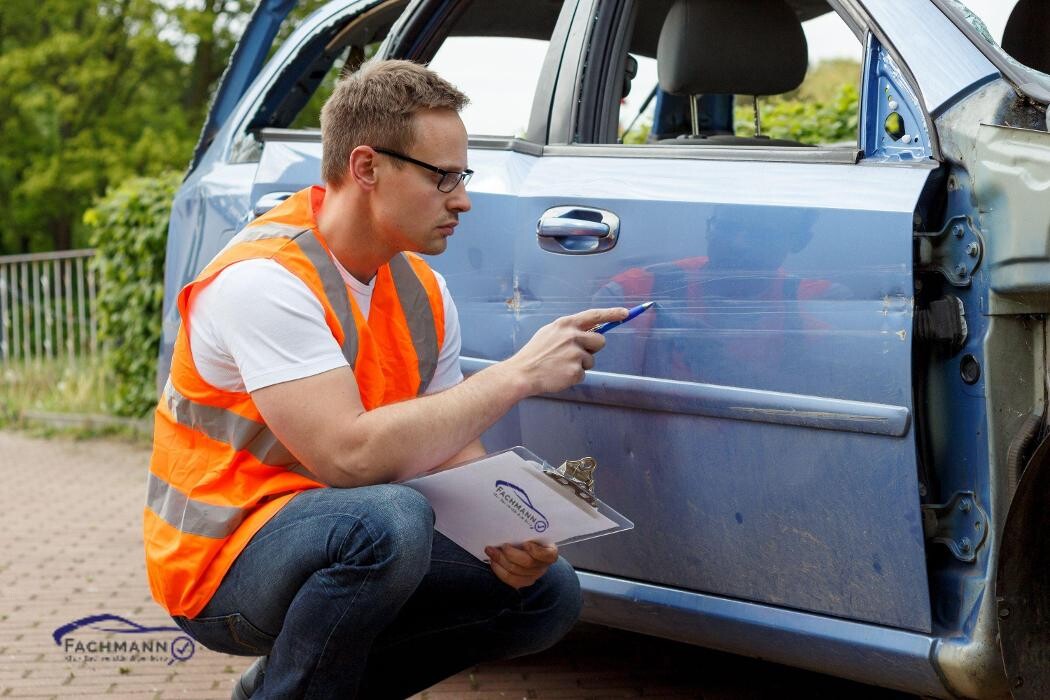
(361, 167)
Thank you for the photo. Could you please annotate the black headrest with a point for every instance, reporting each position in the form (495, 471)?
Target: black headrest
(729, 46)
(1025, 35)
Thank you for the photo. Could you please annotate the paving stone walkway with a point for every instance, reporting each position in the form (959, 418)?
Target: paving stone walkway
(70, 514)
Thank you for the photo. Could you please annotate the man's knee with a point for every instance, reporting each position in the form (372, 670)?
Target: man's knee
(400, 525)
(555, 600)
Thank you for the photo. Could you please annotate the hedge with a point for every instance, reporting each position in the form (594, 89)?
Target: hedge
(129, 228)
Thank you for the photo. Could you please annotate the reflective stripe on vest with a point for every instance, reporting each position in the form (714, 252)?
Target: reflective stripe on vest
(190, 516)
(240, 433)
(233, 429)
(420, 318)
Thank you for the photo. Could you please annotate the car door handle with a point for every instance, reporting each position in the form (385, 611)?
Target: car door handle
(270, 200)
(573, 230)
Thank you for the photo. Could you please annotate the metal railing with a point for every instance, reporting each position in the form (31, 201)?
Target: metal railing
(47, 306)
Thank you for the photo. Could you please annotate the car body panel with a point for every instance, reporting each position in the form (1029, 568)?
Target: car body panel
(954, 69)
(867, 653)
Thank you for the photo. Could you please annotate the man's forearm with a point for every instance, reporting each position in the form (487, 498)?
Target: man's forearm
(400, 440)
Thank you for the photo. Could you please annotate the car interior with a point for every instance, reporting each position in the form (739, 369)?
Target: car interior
(1025, 35)
(710, 56)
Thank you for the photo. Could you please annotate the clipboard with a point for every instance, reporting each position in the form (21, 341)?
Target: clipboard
(514, 496)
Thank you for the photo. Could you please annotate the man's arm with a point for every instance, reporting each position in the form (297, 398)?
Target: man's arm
(475, 450)
(322, 421)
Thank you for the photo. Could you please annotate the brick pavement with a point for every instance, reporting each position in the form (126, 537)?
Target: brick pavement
(71, 516)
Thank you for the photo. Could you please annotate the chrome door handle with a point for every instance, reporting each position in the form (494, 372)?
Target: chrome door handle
(573, 230)
(270, 200)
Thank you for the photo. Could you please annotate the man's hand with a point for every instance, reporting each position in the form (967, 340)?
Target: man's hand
(559, 353)
(521, 566)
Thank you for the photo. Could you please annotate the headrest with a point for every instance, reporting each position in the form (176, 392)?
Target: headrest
(1024, 37)
(755, 47)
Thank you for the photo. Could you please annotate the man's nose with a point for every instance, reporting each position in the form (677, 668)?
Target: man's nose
(460, 200)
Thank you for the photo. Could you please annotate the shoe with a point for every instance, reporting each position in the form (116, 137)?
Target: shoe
(250, 680)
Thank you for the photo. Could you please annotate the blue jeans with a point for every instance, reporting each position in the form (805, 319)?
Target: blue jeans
(352, 592)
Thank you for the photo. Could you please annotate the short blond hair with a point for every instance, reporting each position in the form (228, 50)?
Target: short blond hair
(374, 106)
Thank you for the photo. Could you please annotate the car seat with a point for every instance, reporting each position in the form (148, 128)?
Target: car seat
(730, 47)
(1025, 35)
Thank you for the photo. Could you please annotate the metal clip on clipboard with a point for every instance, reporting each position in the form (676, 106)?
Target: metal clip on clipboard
(578, 474)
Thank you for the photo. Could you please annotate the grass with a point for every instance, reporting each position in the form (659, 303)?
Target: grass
(60, 397)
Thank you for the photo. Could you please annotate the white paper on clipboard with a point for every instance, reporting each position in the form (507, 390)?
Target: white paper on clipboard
(507, 497)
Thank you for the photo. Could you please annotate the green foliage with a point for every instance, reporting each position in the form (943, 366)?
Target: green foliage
(95, 91)
(88, 96)
(639, 133)
(812, 122)
(130, 226)
(825, 109)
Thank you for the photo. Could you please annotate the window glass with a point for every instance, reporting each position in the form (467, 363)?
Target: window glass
(498, 74)
(310, 115)
(822, 110)
(494, 53)
(1016, 29)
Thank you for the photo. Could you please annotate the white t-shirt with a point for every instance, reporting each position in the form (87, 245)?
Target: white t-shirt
(257, 324)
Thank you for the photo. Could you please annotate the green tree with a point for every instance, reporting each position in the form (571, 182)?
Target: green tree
(93, 92)
(86, 92)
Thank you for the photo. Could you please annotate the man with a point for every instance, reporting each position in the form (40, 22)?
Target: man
(317, 349)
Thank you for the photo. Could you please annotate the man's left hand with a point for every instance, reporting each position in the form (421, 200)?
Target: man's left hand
(519, 566)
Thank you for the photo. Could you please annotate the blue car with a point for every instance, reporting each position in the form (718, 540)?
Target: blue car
(831, 429)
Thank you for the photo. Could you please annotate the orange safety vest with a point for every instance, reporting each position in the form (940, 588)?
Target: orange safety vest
(218, 473)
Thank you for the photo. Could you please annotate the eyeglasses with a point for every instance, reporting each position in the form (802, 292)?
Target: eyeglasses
(449, 179)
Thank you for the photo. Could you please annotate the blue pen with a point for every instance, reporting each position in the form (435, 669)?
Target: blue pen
(603, 328)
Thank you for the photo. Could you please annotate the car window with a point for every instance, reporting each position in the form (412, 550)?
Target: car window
(1015, 29)
(816, 100)
(348, 61)
(295, 93)
(494, 51)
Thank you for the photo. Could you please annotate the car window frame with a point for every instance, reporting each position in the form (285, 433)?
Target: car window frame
(259, 92)
(420, 33)
(569, 104)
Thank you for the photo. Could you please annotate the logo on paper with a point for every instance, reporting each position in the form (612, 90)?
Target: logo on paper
(519, 503)
(114, 638)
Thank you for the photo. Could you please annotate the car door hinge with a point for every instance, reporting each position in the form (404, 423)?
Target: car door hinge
(955, 251)
(960, 524)
(943, 324)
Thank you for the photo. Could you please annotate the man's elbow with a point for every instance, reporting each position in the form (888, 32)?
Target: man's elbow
(352, 465)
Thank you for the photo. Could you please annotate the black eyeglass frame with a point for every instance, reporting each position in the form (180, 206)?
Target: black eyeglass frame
(452, 176)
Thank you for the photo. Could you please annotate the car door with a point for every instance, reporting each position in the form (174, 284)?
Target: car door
(757, 424)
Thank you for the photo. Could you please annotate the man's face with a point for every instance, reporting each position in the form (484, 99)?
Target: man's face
(414, 214)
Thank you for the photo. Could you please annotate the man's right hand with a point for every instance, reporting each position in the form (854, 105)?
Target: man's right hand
(559, 353)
